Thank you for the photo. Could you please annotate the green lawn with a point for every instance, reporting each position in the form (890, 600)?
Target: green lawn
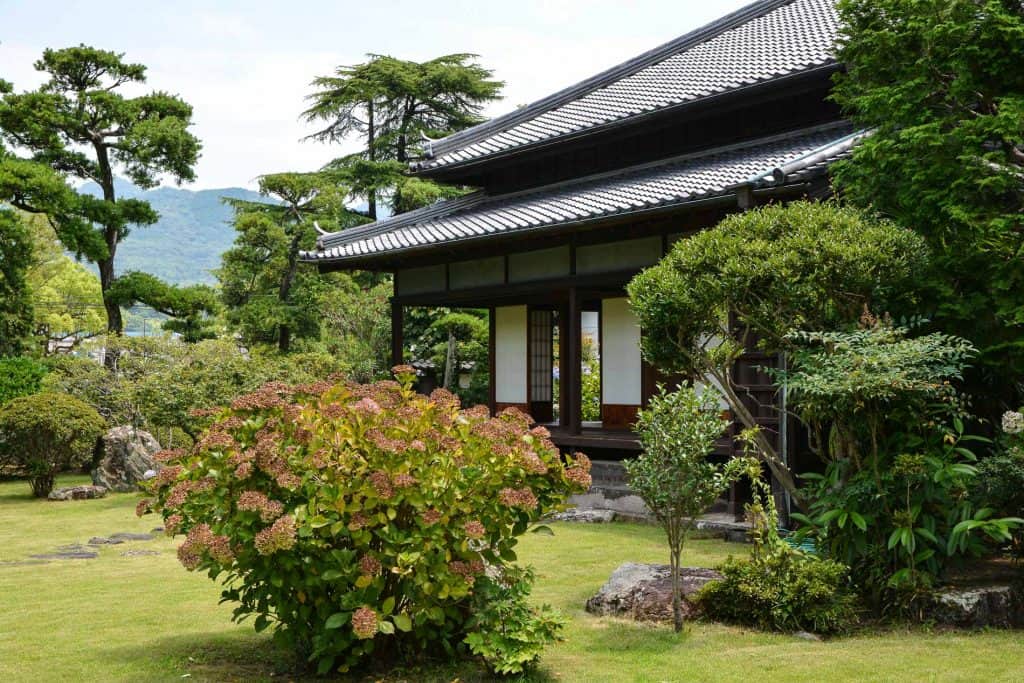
(145, 618)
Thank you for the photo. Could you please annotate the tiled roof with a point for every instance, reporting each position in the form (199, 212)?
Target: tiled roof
(764, 41)
(776, 160)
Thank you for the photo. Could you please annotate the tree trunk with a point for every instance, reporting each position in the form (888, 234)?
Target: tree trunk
(42, 485)
(371, 135)
(115, 325)
(449, 361)
(677, 598)
(284, 336)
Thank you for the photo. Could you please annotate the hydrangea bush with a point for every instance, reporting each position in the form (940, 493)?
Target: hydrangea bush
(357, 518)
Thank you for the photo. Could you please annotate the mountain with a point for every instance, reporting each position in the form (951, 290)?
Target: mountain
(186, 244)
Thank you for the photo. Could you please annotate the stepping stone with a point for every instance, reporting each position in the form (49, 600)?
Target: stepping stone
(84, 555)
(125, 536)
(22, 563)
(83, 492)
(157, 530)
(99, 540)
(139, 553)
(73, 548)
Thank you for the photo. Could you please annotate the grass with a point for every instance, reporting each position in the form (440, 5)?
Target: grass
(145, 618)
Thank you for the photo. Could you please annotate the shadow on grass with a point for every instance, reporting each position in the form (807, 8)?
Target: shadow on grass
(639, 638)
(249, 657)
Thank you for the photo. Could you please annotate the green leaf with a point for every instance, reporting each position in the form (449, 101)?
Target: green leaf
(337, 620)
(543, 529)
(388, 605)
(402, 622)
(386, 627)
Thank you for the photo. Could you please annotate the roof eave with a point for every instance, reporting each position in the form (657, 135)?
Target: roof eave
(715, 100)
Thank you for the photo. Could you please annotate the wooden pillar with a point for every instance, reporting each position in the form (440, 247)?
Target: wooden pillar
(397, 341)
(491, 360)
(573, 384)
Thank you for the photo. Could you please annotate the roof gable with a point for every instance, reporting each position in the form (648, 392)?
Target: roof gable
(765, 41)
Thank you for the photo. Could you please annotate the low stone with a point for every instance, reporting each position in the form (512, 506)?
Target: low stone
(157, 530)
(83, 492)
(126, 536)
(585, 516)
(68, 555)
(139, 553)
(807, 635)
(644, 592)
(127, 458)
(987, 606)
(99, 540)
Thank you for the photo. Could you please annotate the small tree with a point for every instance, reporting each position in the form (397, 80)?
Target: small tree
(45, 434)
(759, 275)
(674, 476)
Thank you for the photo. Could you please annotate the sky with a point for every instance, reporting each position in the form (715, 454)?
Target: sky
(245, 67)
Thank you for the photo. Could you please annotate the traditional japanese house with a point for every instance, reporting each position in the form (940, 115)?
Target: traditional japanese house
(584, 188)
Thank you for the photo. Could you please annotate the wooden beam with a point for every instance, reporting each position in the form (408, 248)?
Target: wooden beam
(572, 382)
(397, 341)
(491, 360)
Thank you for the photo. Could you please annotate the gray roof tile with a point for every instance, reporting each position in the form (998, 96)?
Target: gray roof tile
(764, 41)
(778, 159)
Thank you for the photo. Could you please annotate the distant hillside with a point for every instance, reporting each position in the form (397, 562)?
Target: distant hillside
(193, 231)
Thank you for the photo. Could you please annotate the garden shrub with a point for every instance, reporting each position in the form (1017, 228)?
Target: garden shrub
(999, 484)
(885, 417)
(504, 629)
(785, 591)
(44, 434)
(19, 377)
(358, 519)
(779, 588)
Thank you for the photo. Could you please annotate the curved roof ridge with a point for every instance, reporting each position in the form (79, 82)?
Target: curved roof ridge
(631, 66)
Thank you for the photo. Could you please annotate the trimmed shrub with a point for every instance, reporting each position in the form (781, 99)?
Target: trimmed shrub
(358, 519)
(783, 591)
(44, 434)
(19, 377)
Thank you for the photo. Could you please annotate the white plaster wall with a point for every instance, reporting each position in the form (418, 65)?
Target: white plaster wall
(621, 369)
(510, 354)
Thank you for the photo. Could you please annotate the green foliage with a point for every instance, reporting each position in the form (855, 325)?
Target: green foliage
(674, 475)
(19, 377)
(999, 484)
(784, 591)
(779, 588)
(590, 382)
(66, 296)
(867, 374)
(81, 124)
(893, 501)
(505, 630)
(356, 326)
(458, 342)
(939, 82)
(902, 517)
(190, 307)
(358, 518)
(15, 300)
(44, 434)
(391, 105)
(270, 300)
(157, 384)
(801, 266)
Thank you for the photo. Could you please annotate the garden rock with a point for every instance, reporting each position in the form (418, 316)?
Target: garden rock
(99, 540)
(586, 516)
(987, 606)
(127, 536)
(644, 592)
(83, 492)
(127, 457)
